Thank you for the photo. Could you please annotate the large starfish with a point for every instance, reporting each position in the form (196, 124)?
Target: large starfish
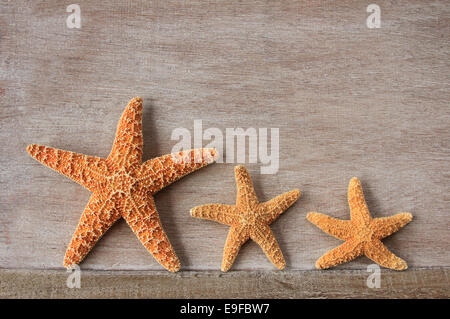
(362, 233)
(123, 186)
(248, 219)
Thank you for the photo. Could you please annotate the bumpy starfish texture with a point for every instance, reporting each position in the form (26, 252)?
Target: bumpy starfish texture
(248, 219)
(362, 233)
(123, 186)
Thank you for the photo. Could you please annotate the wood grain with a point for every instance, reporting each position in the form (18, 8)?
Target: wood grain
(348, 101)
(417, 283)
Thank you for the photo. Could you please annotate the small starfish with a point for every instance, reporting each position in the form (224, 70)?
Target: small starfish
(123, 186)
(248, 219)
(362, 233)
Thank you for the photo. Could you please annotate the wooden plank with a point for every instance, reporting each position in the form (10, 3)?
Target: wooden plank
(348, 101)
(418, 283)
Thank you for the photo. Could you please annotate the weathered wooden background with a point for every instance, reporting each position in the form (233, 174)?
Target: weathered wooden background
(348, 101)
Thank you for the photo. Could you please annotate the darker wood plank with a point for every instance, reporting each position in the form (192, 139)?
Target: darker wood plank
(417, 283)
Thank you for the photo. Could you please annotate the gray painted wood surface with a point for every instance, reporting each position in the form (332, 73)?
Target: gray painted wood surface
(348, 101)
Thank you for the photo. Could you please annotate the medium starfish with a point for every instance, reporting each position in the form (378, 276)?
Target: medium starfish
(123, 186)
(248, 219)
(362, 233)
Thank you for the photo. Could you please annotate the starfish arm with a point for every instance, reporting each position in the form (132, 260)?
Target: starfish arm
(157, 173)
(379, 253)
(128, 143)
(142, 216)
(341, 229)
(264, 237)
(98, 216)
(87, 171)
(359, 212)
(341, 254)
(386, 226)
(225, 214)
(273, 208)
(236, 238)
(246, 196)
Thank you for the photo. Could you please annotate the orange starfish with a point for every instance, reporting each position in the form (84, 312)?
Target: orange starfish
(123, 186)
(248, 219)
(362, 233)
